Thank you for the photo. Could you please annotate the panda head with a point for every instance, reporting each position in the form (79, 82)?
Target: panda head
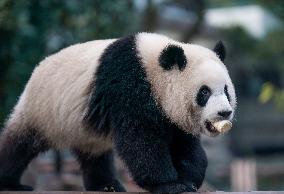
(189, 82)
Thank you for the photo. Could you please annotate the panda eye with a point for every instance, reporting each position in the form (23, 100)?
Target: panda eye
(227, 93)
(203, 95)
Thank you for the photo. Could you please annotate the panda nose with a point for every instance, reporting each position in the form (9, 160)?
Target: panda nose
(225, 114)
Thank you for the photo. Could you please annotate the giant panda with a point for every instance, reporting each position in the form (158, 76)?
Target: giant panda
(145, 97)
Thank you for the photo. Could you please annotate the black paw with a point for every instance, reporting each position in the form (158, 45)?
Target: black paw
(109, 189)
(16, 187)
(113, 186)
(172, 188)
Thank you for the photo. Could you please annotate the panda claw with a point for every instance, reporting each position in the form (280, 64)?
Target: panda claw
(109, 189)
(106, 189)
(112, 189)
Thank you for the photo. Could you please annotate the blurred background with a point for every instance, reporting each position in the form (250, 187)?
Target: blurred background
(250, 157)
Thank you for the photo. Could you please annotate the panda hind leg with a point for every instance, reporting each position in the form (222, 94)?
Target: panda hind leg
(17, 149)
(98, 172)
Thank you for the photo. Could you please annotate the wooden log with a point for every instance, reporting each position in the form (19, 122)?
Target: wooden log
(85, 192)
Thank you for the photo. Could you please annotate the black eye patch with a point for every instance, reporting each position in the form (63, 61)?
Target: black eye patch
(227, 93)
(203, 95)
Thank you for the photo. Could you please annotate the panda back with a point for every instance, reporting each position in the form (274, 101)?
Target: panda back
(56, 96)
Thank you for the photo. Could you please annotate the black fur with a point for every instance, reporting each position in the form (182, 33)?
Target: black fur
(16, 151)
(220, 50)
(189, 158)
(227, 93)
(122, 103)
(172, 55)
(119, 79)
(98, 172)
(203, 95)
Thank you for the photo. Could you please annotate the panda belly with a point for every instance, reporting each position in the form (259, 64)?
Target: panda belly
(56, 98)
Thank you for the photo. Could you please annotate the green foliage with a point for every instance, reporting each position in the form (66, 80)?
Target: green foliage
(271, 93)
(267, 92)
(30, 30)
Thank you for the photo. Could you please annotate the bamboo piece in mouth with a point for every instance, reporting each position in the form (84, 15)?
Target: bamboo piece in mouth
(223, 126)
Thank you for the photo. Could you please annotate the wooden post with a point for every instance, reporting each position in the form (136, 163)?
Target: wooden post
(243, 175)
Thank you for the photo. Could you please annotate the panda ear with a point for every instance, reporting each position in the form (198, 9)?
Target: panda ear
(220, 50)
(172, 55)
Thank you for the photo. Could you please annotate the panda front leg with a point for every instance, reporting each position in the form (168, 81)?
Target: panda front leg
(17, 149)
(148, 159)
(189, 159)
(98, 172)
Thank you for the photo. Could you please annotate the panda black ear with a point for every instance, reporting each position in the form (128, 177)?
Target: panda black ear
(172, 55)
(220, 50)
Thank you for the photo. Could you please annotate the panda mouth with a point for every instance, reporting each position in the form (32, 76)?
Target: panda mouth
(210, 127)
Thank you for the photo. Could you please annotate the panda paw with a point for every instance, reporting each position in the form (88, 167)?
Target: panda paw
(112, 189)
(113, 186)
(173, 188)
(109, 189)
(16, 187)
